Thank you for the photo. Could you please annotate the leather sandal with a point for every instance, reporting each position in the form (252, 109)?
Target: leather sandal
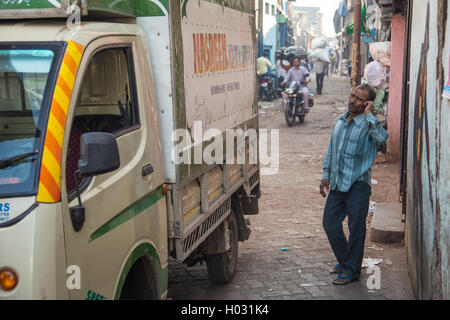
(341, 280)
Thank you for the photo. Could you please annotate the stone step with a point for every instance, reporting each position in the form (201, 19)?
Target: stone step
(387, 225)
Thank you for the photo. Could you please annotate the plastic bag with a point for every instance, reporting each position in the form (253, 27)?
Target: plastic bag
(295, 52)
(318, 43)
(381, 52)
(322, 54)
(375, 73)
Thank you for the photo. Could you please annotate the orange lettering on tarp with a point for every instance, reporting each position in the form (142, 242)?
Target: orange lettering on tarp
(203, 53)
(210, 52)
(196, 54)
(224, 52)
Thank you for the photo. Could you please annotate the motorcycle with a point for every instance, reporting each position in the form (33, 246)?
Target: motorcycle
(293, 104)
(267, 90)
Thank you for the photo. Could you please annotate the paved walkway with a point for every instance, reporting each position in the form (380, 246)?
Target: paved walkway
(290, 217)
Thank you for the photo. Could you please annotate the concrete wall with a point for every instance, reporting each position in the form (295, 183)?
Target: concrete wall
(428, 154)
(395, 86)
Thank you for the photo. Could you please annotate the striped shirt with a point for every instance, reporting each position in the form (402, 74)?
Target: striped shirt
(352, 150)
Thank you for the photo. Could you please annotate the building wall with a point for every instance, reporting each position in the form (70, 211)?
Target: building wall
(270, 27)
(428, 153)
(395, 86)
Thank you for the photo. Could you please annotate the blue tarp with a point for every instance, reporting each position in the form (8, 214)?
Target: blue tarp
(342, 10)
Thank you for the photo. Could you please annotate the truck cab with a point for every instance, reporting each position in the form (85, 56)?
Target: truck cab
(57, 84)
(92, 201)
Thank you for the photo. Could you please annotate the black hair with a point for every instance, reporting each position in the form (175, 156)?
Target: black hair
(372, 93)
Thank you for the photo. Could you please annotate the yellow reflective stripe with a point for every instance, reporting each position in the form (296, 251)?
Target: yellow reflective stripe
(50, 178)
(67, 75)
(44, 195)
(55, 127)
(60, 97)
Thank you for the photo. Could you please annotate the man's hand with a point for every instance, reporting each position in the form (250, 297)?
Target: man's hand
(324, 184)
(369, 107)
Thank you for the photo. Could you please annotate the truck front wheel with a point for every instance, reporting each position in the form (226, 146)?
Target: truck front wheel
(222, 266)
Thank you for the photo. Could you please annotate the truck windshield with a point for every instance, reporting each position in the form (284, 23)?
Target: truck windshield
(24, 74)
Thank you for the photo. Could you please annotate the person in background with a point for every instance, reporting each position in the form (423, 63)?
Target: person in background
(263, 65)
(332, 63)
(286, 65)
(336, 66)
(321, 67)
(310, 64)
(281, 71)
(301, 74)
(305, 63)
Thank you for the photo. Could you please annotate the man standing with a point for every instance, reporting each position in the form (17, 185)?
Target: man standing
(281, 71)
(263, 65)
(347, 174)
(321, 69)
(300, 74)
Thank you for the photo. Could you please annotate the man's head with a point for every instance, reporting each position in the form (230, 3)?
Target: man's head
(296, 62)
(265, 54)
(359, 96)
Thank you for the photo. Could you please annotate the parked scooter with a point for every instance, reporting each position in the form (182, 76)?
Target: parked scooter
(293, 104)
(266, 87)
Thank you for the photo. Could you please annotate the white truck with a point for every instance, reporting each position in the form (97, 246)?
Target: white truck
(126, 137)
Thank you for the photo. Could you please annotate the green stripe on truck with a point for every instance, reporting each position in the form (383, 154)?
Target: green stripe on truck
(130, 212)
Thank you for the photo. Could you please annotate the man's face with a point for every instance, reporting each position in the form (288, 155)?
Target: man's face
(296, 63)
(357, 99)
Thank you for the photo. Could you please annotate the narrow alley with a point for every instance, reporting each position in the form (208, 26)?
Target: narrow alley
(288, 255)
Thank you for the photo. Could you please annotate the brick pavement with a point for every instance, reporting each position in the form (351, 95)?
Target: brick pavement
(290, 217)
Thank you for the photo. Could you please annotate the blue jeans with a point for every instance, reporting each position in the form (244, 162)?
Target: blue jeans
(354, 204)
(319, 81)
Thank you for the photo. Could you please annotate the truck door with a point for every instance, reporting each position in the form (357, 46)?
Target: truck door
(126, 207)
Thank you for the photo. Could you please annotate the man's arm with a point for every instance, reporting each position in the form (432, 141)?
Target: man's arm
(288, 76)
(377, 133)
(306, 76)
(269, 64)
(327, 161)
(325, 183)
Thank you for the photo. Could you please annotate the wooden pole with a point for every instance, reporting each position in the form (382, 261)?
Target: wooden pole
(356, 77)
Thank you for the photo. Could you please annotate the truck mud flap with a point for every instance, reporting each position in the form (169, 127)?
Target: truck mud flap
(243, 230)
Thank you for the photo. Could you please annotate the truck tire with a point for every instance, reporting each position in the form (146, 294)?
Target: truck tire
(222, 266)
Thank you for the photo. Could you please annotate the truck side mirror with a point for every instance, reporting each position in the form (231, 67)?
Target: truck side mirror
(98, 154)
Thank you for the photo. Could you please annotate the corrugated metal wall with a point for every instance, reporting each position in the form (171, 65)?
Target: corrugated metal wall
(428, 158)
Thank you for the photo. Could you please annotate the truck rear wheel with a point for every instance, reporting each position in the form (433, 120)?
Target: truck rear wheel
(222, 266)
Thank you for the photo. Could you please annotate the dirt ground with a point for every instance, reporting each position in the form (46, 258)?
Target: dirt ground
(288, 255)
